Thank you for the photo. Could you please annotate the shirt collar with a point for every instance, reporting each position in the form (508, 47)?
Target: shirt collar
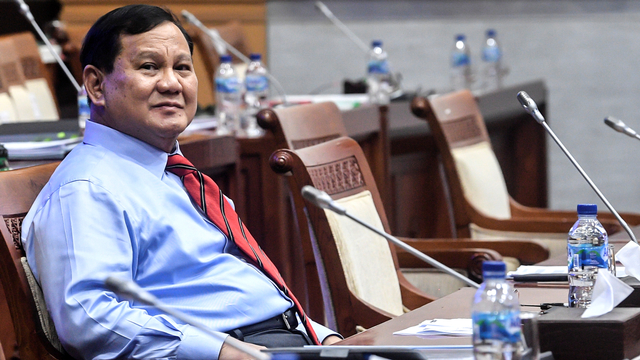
(128, 147)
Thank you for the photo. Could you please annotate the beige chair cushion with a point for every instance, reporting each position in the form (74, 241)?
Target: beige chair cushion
(39, 89)
(434, 282)
(26, 106)
(557, 242)
(482, 180)
(7, 109)
(365, 256)
(43, 314)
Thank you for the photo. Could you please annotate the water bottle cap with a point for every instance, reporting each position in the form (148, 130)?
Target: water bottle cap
(587, 209)
(225, 58)
(491, 33)
(376, 43)
(460, 37)
(494, 269)
(255, 57)
(4, 153)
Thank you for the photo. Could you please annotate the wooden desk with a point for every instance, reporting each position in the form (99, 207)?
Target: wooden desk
(616, 334)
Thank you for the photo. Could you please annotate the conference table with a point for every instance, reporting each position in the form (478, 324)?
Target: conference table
(615, 335)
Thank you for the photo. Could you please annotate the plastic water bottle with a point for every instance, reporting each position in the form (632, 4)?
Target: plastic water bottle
(461, 76)
(588, 251)
(256, 94)
(228, 97)
(496, 316)
(378, 75)
(491, 62)
(84, 111)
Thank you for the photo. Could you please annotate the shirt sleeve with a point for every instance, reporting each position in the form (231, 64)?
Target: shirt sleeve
(321, 331)
(75, 240)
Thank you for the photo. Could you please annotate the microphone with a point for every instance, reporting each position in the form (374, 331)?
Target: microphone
(322, 200)
(131, 290)
(531, 107)
(325, 10)
(217, 39)
(619, 126)
(24, 10)
(396, 78)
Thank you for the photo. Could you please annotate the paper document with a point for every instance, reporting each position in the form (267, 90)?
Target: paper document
(52, 149)
(440, 327)
(552, 270)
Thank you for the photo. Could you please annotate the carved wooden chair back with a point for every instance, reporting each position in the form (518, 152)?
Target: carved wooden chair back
(339, 167)
(482, 206)
(33, 329)
(294, 128)
(300, 126)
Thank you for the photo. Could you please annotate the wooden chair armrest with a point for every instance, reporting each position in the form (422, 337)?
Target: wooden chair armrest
(519, 210)
(412, 297)
(526, 251)
(366, 315)
(469, 259)
(534, 225)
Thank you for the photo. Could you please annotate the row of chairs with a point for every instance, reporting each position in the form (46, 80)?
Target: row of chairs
(359, 275)
(26, 94)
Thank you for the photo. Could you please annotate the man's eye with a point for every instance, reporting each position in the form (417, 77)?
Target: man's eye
(184, 67)
(149, 66)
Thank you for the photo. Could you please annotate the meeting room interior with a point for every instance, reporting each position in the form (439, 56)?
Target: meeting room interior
(379, 152)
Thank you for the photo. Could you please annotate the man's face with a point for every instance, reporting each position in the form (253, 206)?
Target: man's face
(151, 94)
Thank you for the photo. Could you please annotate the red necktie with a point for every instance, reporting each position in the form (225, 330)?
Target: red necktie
(206, 194)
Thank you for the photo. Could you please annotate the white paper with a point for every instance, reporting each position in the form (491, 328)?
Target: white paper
(439, 327)
(553, 270)
(608, 292)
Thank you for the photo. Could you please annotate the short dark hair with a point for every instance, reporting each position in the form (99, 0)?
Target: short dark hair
(102, 44)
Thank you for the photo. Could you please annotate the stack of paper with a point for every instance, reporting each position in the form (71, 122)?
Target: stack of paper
(52, 149)
(439, 327)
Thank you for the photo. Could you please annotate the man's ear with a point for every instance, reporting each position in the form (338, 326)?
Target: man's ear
(94, 84)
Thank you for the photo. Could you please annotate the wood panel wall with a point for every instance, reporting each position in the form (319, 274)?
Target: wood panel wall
(79, 15)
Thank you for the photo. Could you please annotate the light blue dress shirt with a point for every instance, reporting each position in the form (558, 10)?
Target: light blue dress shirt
(111, 209)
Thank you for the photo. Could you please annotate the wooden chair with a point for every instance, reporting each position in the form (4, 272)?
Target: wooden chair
(369, 288)
(482, 207)
(34, 332)
(301, 126)
(36, 89)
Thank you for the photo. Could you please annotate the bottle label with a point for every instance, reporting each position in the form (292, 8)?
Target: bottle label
(588, 255)
(378, 67)
(491, 54)
(256, 83)
(460, 59)
(228, 85)
(502, 326)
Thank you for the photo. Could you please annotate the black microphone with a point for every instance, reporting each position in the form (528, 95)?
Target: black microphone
(322, 200)
(131, 290)
(26, 11)
(531, 107)
(619, 126)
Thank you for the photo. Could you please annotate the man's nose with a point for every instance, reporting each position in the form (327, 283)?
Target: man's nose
(169, 81)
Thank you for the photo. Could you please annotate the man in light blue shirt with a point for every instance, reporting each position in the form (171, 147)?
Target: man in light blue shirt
(111, 209)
